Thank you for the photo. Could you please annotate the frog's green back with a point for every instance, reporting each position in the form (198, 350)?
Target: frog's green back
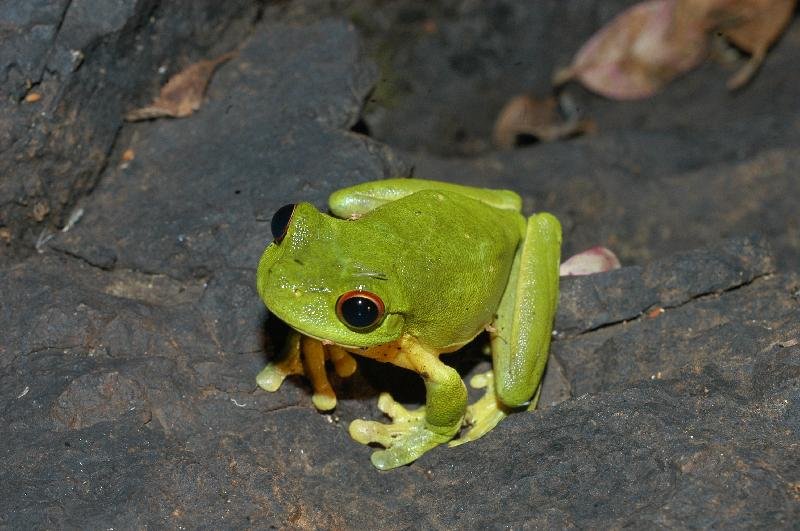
(450, 254)
(355, 200)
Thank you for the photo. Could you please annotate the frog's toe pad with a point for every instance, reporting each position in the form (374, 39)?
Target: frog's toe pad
(324, 401)
(271, 377)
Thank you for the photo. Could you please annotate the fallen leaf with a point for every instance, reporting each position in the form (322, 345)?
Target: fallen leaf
(637, 53)
(595, 260)
(751, 25)
(539, 118)
(40, 211)
(429, 26)
(183, 93)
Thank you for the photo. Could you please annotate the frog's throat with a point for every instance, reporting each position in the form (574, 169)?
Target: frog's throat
(388, 351)
(326, 341)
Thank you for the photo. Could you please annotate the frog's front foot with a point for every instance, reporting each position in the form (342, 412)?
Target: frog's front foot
(405, 439)
(307, 356)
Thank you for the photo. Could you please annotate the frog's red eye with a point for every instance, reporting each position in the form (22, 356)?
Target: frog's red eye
(280, 221)
(360, 310)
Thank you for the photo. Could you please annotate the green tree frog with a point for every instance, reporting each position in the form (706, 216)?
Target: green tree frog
(409, 269)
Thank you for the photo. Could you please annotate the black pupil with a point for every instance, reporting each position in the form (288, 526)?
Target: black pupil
(359, 312)
(280, 221)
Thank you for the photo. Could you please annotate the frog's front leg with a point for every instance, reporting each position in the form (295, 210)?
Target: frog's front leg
(522, 328)
(412, 433)
(306, 356)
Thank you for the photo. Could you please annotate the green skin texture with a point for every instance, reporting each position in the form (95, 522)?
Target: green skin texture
(448, 262)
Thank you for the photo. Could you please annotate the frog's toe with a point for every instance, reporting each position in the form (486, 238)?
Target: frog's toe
(395, 410)
(324, 400)
(488, 411)
(404, 442)
(343, 363)
(272, 376)
(369, 431)
(407, 448)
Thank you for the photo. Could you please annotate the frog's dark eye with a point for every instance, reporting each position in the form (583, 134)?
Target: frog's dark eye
(360, 310)
(280, 221)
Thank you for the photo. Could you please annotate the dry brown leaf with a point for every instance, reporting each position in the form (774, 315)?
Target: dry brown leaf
(183, 93)
(637, 53)
(540, 118)
(751, 25)
(40, 211)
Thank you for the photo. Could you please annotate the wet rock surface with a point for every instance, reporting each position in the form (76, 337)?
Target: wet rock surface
(131, 342)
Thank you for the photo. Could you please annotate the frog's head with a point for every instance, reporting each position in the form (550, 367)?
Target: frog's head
(325, 278)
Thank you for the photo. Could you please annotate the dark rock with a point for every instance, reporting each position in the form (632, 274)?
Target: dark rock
(249, 152)
(725, 330)
(646, 214)
(665, 283)
(94, 398)
(130, 343)
(590, 301)
(87, 62)
(727, 265)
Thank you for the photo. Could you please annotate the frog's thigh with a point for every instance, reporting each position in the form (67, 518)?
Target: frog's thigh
(273, 375)
(521, 342)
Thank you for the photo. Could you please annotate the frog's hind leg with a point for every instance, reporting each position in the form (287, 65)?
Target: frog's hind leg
(484, 414)
(521, 337)
(488, 411)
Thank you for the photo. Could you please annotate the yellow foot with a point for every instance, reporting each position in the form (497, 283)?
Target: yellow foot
(306, 356)
(405, 439)
(484, 414)
(488, 411)
(272, 376)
